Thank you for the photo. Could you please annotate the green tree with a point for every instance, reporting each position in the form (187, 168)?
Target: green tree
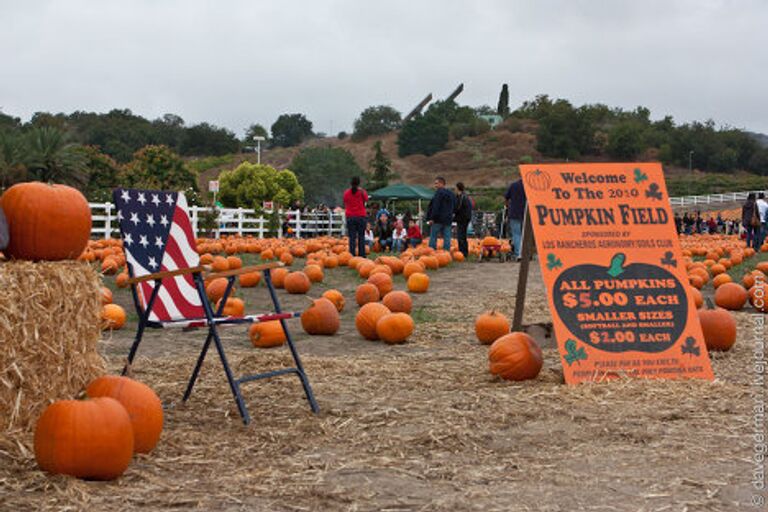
(206, 139)
(104, 174)
(423, 134)
(376, 120)
(381, 166)
(503, 107)
(325, 172)
(249, 185)
(625, 141)
(255, 130)
(291, 130)
(159, 168)
(51, 157)
(12, 151)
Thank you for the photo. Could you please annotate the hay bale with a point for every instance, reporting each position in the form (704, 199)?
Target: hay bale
(49, 328)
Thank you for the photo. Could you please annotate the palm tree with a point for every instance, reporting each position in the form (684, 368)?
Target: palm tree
(50, 157)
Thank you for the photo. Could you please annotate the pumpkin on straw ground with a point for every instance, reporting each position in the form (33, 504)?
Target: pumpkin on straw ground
(515, 356)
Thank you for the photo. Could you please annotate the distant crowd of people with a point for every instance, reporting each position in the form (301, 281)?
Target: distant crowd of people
(752, 226)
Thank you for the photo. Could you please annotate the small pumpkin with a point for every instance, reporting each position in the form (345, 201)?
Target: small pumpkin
(394, 327)
(45, 221)
(220, 264)
(515, 356)
(491, 326)
(418, 283)
(234, 262)
(278, 276)
(698, 298)
(250, 279)
(112, 317)
(413, 267)
(321, 317)
(314, 273)
(366, 293)
(297, 282)
(336, 297)
(90, 439)
(382, 281)
(719, 328)
(367, 318)
(121, 281)
(398, 302)
(758, 297)
(106, 295)
(267, 334)
(144, 407)
(233, 307)
(731, 296)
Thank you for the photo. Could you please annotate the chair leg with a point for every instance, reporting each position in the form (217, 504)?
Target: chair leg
(199, 364)
(134, 347)
(297, 361)
(233, 384)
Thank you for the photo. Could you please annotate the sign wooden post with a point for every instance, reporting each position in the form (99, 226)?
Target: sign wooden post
(611, 262)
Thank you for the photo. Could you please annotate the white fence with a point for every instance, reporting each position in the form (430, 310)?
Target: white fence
(240, 221)
(727, 197)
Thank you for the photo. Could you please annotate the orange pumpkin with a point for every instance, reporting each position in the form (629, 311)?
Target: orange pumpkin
(278, 276)
(112, 316)
(321, 317)
(234, 262)
(267, 334)
(216, 287)
(366, 293)
(721, 279)
(413, 267)
(398, 302)
(121, 281)
(90, 439)
(719, 328)
(382, 281)
(46, 222)
(758, 298)
(336, 297)
(491, 326)
(418, 283)
(106, 295)
(233, 307)
(220, 264)
(368, 317)
(297, 282)
(249, 279)
(515, 356)
(698, 298)
(731, 296)
(394, 327)
(143, 406)
(314, 273)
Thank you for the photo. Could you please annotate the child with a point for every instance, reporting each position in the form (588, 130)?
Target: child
(398, 236)
(414, 233)
(369, 236)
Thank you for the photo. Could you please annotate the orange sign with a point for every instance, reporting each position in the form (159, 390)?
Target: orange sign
(615, 277)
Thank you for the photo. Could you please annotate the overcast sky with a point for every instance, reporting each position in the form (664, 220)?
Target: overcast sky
(235, 62)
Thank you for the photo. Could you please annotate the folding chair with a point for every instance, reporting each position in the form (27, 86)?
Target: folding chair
(168, 289)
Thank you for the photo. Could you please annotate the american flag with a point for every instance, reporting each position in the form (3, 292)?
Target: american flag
(157, 236)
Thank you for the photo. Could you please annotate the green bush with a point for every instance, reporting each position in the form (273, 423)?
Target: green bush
(376, 121)
(249, 185)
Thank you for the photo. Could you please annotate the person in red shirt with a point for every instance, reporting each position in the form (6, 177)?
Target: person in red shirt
(354, 208)
(414, 233)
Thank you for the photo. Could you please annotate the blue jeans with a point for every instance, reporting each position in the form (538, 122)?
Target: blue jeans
(385, 243)
(356, 232)
(516, 232)
(753, 234)
(398, 244)
(445, 231)
(414, 242)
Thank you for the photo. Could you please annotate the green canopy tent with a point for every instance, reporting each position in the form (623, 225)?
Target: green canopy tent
(403, 192)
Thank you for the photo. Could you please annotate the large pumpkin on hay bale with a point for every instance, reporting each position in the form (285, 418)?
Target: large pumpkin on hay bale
(321, 317)
(144, 407)
(90, 439)
(46, 221)
(515, 356)
(719, 328)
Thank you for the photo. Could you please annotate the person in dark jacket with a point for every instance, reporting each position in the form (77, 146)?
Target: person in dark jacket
(440, 214)
(383, 231)
(748, 216)
(515, 201)
(462, 215)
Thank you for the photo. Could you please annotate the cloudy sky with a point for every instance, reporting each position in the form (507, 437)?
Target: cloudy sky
(235, 62)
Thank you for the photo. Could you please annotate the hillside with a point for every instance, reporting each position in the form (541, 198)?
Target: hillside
(486, 163)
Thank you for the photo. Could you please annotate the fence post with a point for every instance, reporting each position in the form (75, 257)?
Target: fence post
(298, 223)
(240, 221)
(108, 224)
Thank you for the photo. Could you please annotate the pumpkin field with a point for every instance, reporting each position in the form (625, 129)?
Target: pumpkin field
(410, 416)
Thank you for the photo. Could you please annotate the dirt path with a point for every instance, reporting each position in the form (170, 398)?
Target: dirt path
(422, 426)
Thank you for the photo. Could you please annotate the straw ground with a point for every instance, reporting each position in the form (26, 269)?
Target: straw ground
(421, 426)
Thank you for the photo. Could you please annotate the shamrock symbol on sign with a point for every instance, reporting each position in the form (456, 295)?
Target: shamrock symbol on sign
(690, 347)
(653, 192)
(553, 262)
(573, 354)
(640, 176)
(668, 259)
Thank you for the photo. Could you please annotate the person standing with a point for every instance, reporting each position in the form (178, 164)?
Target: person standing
(515, 200)
(440, 214)
(762, 214)
(750, 220)
(354, 208)
(462, 215)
